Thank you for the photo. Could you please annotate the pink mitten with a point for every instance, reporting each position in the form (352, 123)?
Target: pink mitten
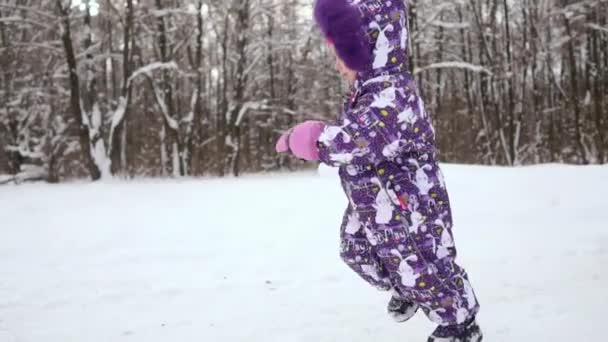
(301, 140)
(282, 145)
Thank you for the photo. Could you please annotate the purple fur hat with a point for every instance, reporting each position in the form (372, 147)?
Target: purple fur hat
(341, 23)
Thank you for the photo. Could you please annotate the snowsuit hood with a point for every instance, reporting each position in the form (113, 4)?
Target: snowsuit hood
(385, 118)
(370, 36)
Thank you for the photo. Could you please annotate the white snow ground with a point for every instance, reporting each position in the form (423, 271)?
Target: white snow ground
(256, 259)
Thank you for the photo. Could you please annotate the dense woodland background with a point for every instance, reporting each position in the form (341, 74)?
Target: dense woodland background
(204, 87)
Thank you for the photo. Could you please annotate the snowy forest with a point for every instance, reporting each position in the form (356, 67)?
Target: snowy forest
(172, 88)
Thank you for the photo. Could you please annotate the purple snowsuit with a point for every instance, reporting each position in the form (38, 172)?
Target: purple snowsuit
(396, 232)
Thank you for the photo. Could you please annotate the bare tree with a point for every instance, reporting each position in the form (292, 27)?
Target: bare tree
(205, 87)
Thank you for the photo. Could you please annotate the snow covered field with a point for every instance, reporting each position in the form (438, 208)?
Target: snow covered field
(256, 259)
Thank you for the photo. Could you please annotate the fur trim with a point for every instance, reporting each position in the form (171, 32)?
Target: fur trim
(341, 23)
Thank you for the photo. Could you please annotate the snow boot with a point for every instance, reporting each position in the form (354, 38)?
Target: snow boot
(466, 332)
(400, 309)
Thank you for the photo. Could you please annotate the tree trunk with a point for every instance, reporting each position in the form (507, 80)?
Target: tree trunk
(266, 135)
(597, 91)
(172, 138)
(604, 78)
(242, 26)
(439, 80)
(223, 108)
(574, 97)
(466, 48)
(75, 99)
(532, 16)
(14, 158)
(198, 134)
(415, 54)
(118, 139)
(514, 123)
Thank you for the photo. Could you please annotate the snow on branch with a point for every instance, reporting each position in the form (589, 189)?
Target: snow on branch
(571, 11)
(449, 25)
(29, 9)
(432, 18)
(597, 27)
(158, 94)
(207, 142)
(255, 105)
(454, 65)
(169, 11)
(17, 19)
(560, 42)
(119, 113)
(151, 67)
(34, 45)
(98, 56)
(160, 100)
(24, 151)
(253, 64)
(28, 173)
(5, 179)
(190, 116)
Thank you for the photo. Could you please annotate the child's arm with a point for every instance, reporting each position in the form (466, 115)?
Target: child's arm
(367, 136)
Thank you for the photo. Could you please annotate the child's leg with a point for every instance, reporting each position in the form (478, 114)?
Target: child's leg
(468, 331)
(454, 313)
(358, 253)
(439, 286)
(401, 309)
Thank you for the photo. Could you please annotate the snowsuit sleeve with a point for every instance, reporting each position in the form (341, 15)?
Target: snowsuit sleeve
(366, 136)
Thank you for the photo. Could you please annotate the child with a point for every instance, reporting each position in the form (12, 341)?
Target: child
(396, 233)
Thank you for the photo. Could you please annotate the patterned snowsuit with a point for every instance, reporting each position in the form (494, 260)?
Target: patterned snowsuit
(396, 233)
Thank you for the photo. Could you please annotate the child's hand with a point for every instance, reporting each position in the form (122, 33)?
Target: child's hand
(301, 140)
(282, 145)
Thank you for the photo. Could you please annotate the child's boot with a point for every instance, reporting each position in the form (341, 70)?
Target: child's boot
(401, 309)
(466, 332)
